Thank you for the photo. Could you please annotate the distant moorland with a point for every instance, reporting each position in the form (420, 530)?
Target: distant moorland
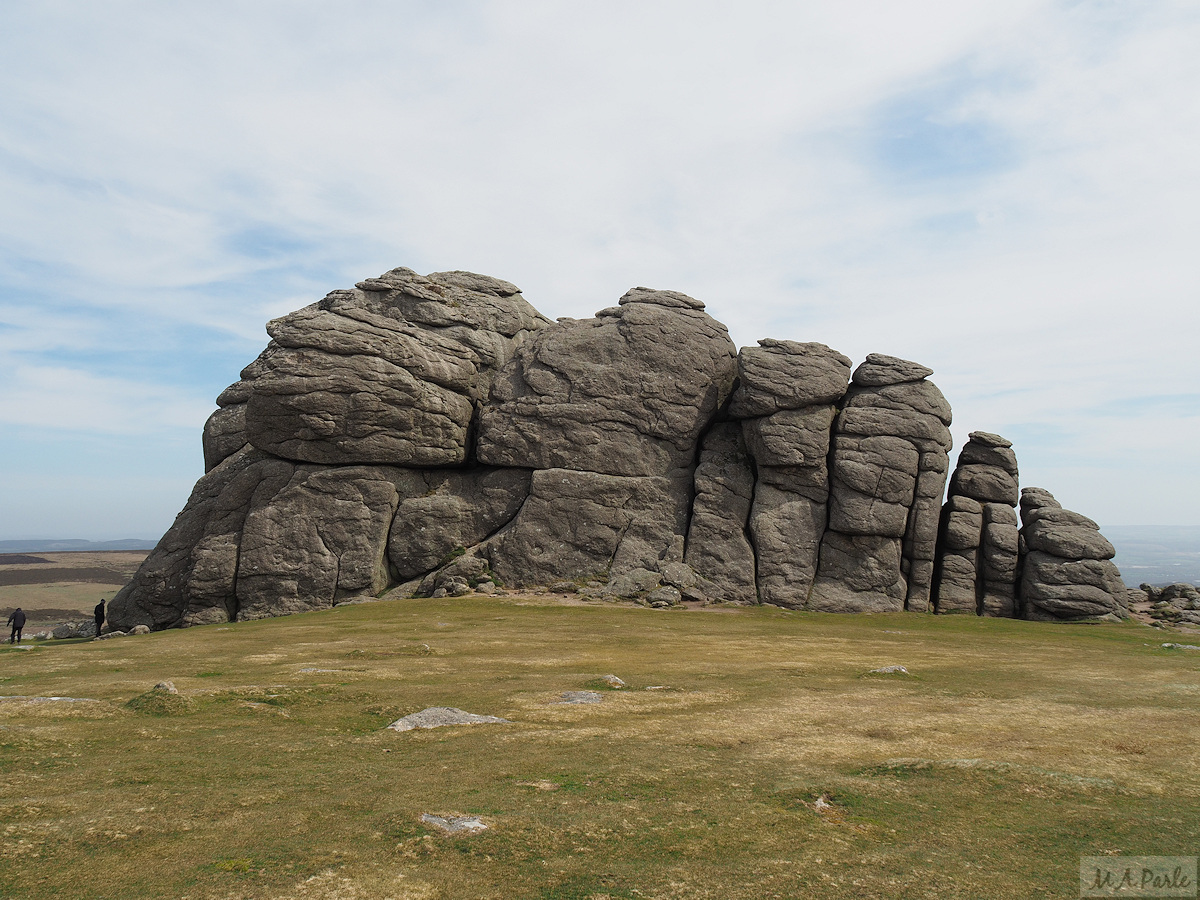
(1157, 555)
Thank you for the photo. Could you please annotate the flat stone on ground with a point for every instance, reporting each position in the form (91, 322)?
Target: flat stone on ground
(453, 824)
(438, 716)
(569, 697)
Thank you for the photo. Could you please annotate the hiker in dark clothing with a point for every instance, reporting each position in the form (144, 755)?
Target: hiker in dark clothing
(17, 621)
(99, 612)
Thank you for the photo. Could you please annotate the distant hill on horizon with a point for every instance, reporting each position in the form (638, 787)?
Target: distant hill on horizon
(69, 544)
(1156, 554)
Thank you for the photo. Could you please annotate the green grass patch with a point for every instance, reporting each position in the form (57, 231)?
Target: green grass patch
(767, 767)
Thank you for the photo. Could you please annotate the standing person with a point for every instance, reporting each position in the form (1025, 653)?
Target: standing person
(17, 621)
(99, 613)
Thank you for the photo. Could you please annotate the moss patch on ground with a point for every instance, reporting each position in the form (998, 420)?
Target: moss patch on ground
(747, 757)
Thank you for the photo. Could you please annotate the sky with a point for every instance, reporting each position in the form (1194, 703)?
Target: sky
(1007, 192)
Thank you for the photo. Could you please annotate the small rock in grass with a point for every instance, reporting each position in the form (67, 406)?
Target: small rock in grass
(889, 670)
(111, 634)
(664, 597)
(1181, 647)
(581, 697)
(612, 681)
(140, 629)
(454, 824)
(439, 716)
(162, 700)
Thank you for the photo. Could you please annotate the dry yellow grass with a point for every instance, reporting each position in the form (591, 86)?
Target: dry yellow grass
(750, 756)
(64, 598)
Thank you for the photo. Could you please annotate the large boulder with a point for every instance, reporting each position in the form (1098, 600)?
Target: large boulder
(626, 393)
(778, 375)
(887, 473)
(1066, 569)
(976, 567)
(786, 398)
(437, 432)
(298, 508)
(388, 373)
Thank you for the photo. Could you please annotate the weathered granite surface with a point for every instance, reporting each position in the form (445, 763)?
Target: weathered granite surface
(888, 466)
(1067, 570)
(976, 568)
(437, 436)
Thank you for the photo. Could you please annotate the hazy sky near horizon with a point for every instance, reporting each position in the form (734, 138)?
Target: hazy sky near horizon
(1006, 192)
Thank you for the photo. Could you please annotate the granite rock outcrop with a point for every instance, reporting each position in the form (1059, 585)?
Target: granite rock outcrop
(436, 435)
(1067, 570)
(977, 557)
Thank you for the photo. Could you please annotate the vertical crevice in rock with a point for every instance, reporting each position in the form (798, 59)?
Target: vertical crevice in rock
(718, 546)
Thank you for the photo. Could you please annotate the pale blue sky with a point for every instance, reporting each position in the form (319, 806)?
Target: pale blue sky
(1005, 192)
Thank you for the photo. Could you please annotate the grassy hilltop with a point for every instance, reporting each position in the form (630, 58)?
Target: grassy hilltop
(765, 761)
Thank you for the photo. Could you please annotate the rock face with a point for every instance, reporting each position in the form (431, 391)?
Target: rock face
(976, 568)
(438, 436)
(718, 543)
(626, 393)
(787, 399)
(1067, 570)
(390, 372)
(888, 466)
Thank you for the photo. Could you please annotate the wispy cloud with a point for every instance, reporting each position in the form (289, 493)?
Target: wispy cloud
(1006, 192)
(79, 401)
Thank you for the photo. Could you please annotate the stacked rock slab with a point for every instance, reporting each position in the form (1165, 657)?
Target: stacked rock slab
(1067, 570)
(786, 401)
(888, 466)
(976, 567)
